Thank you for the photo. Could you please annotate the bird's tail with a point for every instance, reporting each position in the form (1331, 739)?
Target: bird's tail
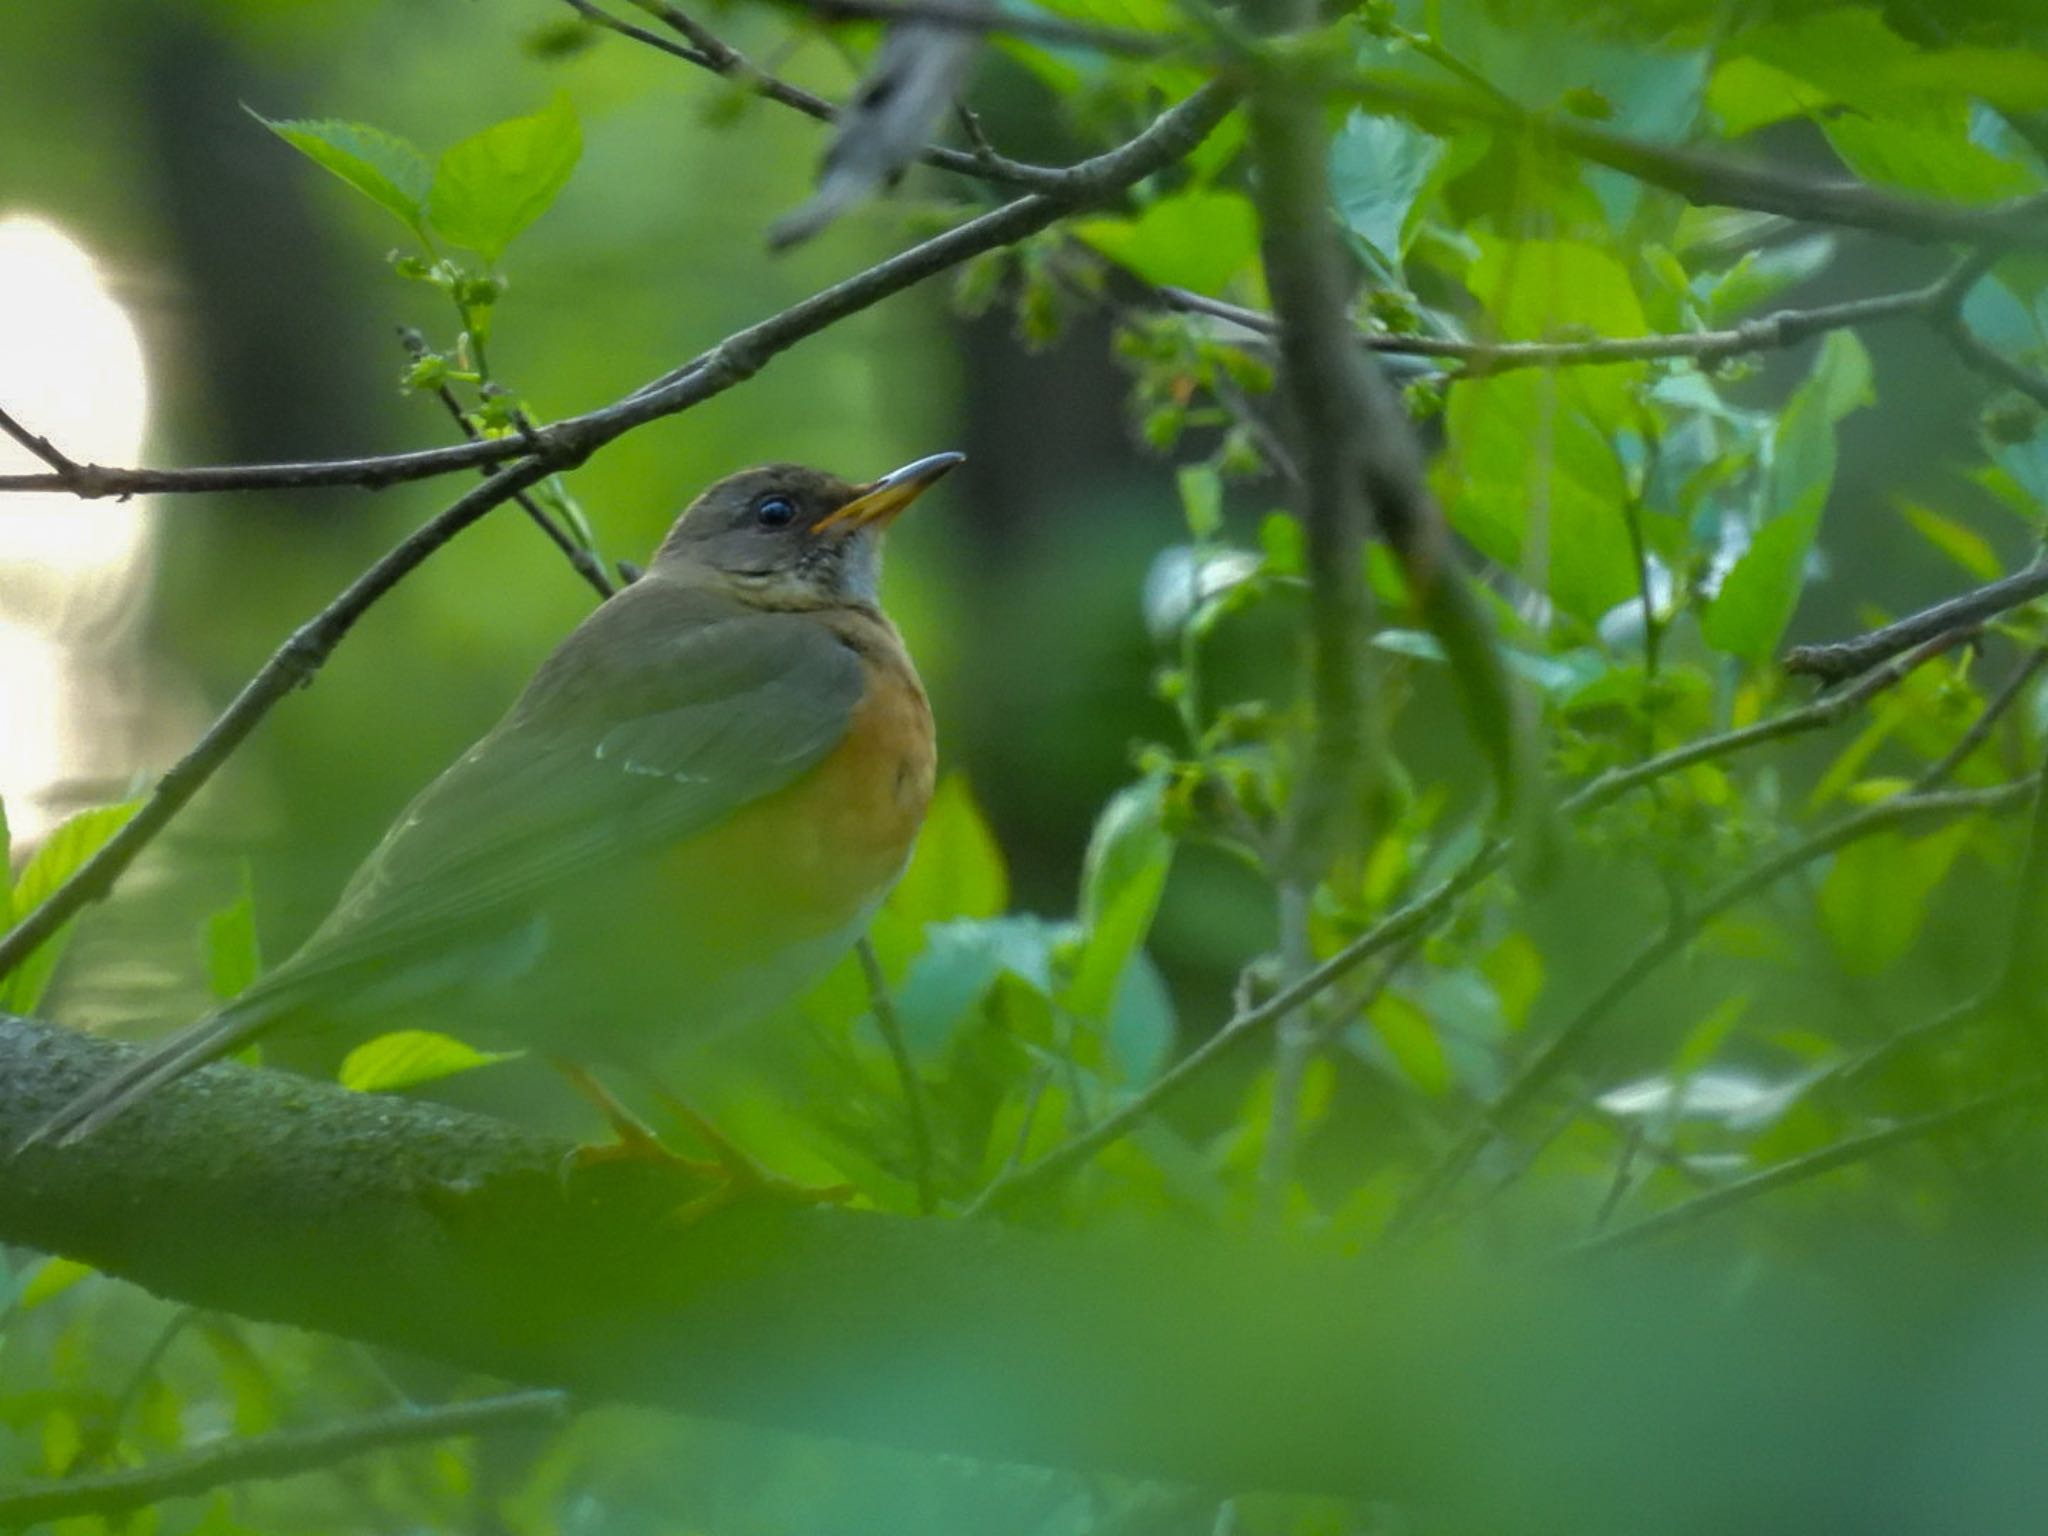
(208, 1040)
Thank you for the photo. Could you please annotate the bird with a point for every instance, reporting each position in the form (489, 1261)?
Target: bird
(692, 809)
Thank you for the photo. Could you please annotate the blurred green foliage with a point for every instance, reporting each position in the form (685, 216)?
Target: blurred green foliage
(1111, 625)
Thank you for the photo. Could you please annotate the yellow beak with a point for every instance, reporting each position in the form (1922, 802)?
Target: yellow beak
(878, 503)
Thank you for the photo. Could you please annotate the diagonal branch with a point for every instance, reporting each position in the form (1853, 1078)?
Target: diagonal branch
(41, 447)
(291, 666)
(286, 1453)
(1845, 658)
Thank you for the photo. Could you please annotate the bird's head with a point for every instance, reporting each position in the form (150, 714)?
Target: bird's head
(795, 537)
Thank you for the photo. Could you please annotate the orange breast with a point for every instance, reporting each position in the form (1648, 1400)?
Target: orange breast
(805, 862)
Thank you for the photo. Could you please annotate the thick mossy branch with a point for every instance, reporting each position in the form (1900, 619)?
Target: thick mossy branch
(1183, 1356)
(460, 1237)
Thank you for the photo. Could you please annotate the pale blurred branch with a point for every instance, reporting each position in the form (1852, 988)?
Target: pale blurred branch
(41, 447)
(282, 1453)
(706, 50)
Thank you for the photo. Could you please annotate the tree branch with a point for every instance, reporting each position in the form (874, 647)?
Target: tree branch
(285, 1453)
(448, 1235)
(1544, 1067)
(580, 559)
(566, 443)
(1845, 658)
(1772, 332)
(708, 51)
(1709, 180)
(1825, 711)
(290, 666)
(1842, 1154)
(548, 449)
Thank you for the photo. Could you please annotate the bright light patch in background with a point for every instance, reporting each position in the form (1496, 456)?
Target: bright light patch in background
(72, 573)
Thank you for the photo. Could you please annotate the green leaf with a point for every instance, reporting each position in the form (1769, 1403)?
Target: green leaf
(1122, 878)
(1533, 480)
(493, 184)
(1967, 547)
(1757, 598)
(1201, 500)
(1141, 1022)
(1200, 240)
(407, 1057)
(957, 869)
(959, 964)
(1749, 614)
(53, 1277)
(1410, 1039)
(233, 956)
(75, 840)
(1378, 169)
(1803, 444)
(1875, 896)
(385, 168)
(1929, 151)
(1763, 274)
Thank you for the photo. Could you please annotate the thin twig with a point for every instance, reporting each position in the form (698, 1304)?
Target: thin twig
(1987, 720)
(883, 1006)
(41, 447)
(1821, 713)
(1846, 658)
(1772, 332)
(585, 563)
(1986, 359)
(1296, 1042)
(285, 1453)
(1623, 1180)
(565, 443)
(99, 1441)
(1397, 926)
(1544, 1067)
(1854, 1149)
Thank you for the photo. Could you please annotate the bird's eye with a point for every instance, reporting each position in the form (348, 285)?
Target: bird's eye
(775, 511)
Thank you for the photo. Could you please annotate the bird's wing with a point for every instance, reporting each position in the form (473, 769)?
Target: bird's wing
(668, 711)
(669, 708)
